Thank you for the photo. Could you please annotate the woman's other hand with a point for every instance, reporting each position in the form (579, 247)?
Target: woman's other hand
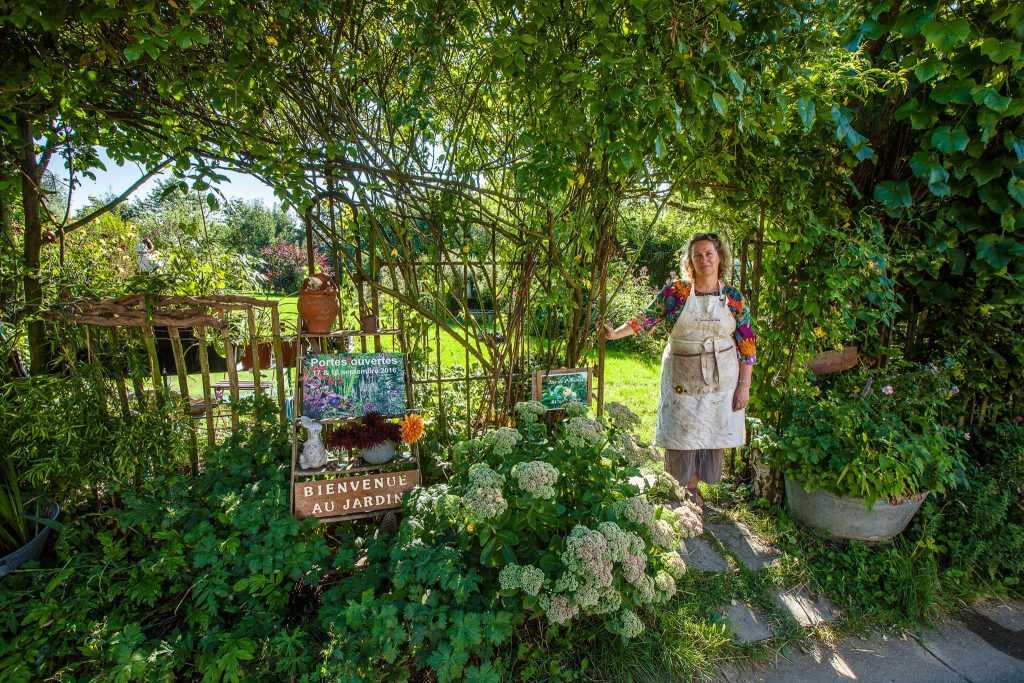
(741, 397)
(608, 331)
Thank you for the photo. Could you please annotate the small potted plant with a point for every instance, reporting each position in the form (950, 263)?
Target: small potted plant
(861, 452)
(318, 303)
(376, 437)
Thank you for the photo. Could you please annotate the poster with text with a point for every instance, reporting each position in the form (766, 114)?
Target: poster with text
(555, 388)
(353, 384)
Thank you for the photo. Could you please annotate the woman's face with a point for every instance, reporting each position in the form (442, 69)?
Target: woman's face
(704, 258)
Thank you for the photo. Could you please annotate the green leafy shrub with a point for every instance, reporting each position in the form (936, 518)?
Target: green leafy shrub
(207, 577)
(872, 434)
(539, 524)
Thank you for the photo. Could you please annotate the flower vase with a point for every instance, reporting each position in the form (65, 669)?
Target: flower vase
(378, 454)
(313, 453)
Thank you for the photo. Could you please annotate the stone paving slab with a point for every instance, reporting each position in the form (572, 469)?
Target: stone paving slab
(1009, 615)
(806, 609)
(896, 660)
(700, 555)
(747, 625)
(974, 657)
(755, 553)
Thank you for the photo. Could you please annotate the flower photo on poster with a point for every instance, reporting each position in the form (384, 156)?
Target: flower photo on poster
(353, 384)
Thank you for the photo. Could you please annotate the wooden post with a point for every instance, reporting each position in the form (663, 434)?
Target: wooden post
(275, 322)
(254, 348)
(232, 362)
(149, 339)
(181, 369)
(204, 367)
(122, 391)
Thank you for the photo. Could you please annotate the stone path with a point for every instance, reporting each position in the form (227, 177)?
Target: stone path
(984, 644)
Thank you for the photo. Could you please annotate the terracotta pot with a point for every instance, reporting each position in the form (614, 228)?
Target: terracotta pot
(264, 352)
(319, 309)
(289, 351)
(831, 362)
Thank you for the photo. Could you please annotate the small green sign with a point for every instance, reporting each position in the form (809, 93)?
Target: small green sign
(560, 387)
(353, 384)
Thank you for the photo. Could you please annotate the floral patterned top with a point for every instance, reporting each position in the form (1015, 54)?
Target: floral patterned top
(668, 304)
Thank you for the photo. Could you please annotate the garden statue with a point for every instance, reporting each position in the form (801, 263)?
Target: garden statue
(313, 453)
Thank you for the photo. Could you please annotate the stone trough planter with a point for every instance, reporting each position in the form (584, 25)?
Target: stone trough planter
(30, 551)
(845, 517)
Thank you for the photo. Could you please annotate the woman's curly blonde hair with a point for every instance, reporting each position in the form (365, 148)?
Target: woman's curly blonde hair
(724, 255)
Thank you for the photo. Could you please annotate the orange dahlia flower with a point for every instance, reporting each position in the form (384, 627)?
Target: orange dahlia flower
(412, 428)
(747, 347)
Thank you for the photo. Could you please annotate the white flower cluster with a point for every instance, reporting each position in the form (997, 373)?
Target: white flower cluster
(586, 555)
(502, 440)
(675, 564)
(430, 499)
(691, 523)
(667, 485)
(665, 585)
(638, 510)
(581, 432)
(574, 409)
(529, 412)
(629, 625)
(525, 577)
(621, 417)
(484, 499)
(536, 477)
(559, 609)
(662, 533)
(634, 453)
(620, 543)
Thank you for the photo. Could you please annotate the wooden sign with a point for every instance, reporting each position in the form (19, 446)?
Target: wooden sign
(554, 388)
(354, 495)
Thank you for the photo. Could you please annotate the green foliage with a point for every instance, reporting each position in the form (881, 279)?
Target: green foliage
(69, 440)
(14, 531)
(207, 577)
(873, 435)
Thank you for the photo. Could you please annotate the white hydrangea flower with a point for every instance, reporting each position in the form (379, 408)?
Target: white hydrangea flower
(621, 417)
(629, 624)
(574, 409)
(633, 567)
(675, 565)
(526, 577)
(618, 540)
(559, 609)
(586, 554)
(581, 432)
(502, 440)
(536, 477)
(662, 533)
(638, 510)
(665, 585)
(690, 522)
(484, 499)
(529, 412)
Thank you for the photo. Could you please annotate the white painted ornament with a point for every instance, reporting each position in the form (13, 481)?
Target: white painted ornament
(313, 453)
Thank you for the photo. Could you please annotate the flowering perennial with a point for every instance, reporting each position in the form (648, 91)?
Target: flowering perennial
(574, 409)
(502, 440)
(621, 417)
(484, 499)
(638, 510)
(536, 477)
(662, 533)
(689, 520)
(525, 577)
(586, 554)
(529, 412)
(581, 432)
(675, 565)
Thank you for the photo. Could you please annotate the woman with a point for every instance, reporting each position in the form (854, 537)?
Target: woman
(706, 366)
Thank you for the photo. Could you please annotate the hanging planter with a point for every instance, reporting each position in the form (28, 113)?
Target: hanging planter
(264, 352)
(318, 303)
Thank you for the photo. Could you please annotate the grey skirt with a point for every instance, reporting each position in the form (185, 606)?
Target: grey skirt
(707, 463)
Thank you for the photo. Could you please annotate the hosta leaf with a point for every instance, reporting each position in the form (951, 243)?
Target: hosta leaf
(1000, 50)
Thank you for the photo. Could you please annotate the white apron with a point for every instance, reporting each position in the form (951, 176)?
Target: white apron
(699, 371)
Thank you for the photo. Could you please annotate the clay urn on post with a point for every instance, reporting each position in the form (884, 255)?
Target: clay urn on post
(318, 303)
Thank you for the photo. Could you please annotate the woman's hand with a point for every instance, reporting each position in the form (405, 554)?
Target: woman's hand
(608, 331)
(741, 397)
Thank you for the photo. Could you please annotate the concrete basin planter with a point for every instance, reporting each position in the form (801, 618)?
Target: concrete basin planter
(846, 517)
(379, 454)
(31, 550)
